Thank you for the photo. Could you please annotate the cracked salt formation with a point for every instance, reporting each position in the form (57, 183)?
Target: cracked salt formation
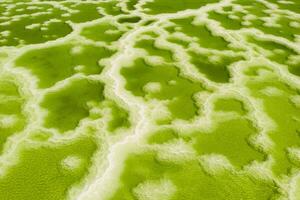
(149, 99)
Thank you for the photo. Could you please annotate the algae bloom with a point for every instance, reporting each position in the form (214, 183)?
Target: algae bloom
(149, 100)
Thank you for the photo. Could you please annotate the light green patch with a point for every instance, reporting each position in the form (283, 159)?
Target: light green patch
(190, 180)
(204, 36)
(39, 174)
(189, 99)
(162, 136)
(57, 63)
(278, 52)
(119, 116)
(168, 6)
(12, 118)
(174, 87)
(231, 139)
(69, 105)
(283, 112)
(152, 50)
(229, 105)
(215, 70)
(103, 31)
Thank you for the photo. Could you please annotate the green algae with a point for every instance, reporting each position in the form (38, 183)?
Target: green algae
(129, 19)
(191, 181)
(216, 71)
(286, 118)
(18, 31)
(288, 33)
(83, 12)
(292, 6)
(131, 4)
(50, 21)
(39, 172)
(100, 32)
(41, 135)
(172, 87)
(153, 81)
(178, 41)
(229, 105)
(205, 38)
(57, 63)
(65, 109)
(162, 136)
(150, 47)
(119, 116)
(231, 139)
(281, 27)
(12, 118)
(168, 6)
(280, 53)
(295, 69)
(120, 119)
